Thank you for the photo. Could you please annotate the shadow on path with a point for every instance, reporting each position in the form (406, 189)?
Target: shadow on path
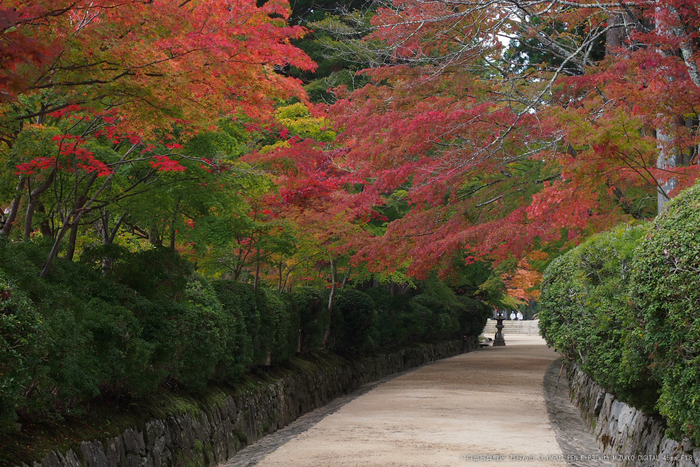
(575, 440)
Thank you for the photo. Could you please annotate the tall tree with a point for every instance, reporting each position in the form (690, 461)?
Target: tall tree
(112, 82)
(488, 150)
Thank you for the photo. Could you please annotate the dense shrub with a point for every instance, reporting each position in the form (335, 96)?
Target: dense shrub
(158, 272)
(472, 316)
(266, 325)
(586, 314)
(22, 340)
(238, 300)
(312, 306)
(202, 335)
(666, 296)
(88, 331)
(396, 320)
(436, 310)
(280, 316)
(625, 305)
(432, 311)
(353, 321)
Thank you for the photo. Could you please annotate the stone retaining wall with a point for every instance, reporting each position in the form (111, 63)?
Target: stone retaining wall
(628, 437)
(213, 435)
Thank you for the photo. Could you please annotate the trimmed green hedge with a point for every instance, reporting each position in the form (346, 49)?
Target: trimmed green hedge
(626, 306)
(666, 296)
(586, 314)
(78, 335)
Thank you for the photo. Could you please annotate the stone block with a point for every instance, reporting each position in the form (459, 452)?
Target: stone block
(94, 454)
(51, 460)
(70, 459)
(116, 452)
(599, 403)
(134, 443)
(155, 430)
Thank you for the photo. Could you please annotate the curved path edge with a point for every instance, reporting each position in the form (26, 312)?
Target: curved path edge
(575, 440)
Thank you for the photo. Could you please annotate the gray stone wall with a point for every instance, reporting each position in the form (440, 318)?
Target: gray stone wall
(212, 436)
(628, 437)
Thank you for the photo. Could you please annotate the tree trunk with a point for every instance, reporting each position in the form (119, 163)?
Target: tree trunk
(667, 160)
(44, 226)
(327, 334)
(70, 253)
(32, 203)
(257, 271)
(76, 213)
(14, 209)
(108, 236)
(618, 34)
(669, 157)
(57, 243)
(347, 276)
(154, 237)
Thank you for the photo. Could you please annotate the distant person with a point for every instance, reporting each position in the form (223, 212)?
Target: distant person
(520, 316)
(512, 316)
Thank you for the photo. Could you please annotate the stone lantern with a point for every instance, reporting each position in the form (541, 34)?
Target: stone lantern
(499, 316)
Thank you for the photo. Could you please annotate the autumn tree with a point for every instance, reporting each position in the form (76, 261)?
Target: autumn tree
(107, 86)
(501, 155)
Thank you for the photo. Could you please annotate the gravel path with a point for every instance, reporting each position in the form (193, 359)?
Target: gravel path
(486, 408)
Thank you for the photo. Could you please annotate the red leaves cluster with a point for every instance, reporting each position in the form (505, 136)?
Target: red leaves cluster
(71, 155)
(162, 60)
(466, 159)
(16, 48)
(307, 174)
(72, 151)
(166, 164)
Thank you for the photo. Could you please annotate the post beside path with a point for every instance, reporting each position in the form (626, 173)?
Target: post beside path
(498, 340)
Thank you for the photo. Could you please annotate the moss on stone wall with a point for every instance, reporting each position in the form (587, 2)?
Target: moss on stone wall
(180, 430)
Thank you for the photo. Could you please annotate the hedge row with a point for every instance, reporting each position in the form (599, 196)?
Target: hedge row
(626, 306)
(77, 336)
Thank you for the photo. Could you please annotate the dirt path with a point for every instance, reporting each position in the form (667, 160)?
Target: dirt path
(453, 412)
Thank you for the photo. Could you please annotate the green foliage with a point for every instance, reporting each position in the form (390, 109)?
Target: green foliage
(226, 142)
(158, 271)
(78, 334)
(396, 319)
(313, 316)
(433, 310)
(267, 325)
(240, 301)
(337, 46)
(203, 330)
(298, 120)
(279, 317)
(354, 321)
(666, 298)
(586, 314)
(22, 343)
(118, 349)
(239, 348)
(436, 309)
(624, 304)
(472, 316)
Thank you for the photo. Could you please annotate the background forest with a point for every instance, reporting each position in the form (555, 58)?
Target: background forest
(191, 190)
